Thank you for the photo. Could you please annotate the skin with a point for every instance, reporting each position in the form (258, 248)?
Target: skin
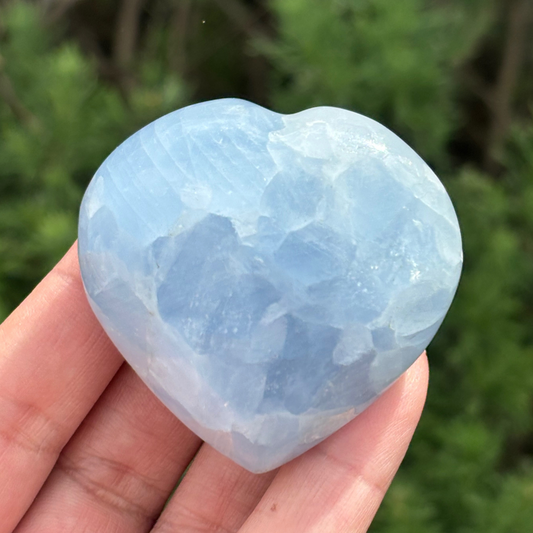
(85, 447)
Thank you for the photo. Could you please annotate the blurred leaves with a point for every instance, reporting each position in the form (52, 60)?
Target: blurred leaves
(392, 61)
(46, 164)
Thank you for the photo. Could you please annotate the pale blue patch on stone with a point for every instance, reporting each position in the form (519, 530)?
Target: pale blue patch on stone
(268, 276)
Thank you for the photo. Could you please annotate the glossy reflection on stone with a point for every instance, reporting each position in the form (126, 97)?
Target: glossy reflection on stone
(268, 276)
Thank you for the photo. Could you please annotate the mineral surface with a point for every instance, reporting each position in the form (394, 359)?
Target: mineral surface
(268, 276)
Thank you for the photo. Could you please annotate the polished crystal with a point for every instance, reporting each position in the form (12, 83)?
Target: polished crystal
(268, 276)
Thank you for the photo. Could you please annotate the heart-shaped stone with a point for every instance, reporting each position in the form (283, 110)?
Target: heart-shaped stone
(268, 276)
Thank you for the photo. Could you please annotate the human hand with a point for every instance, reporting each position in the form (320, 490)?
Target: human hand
(86, 447)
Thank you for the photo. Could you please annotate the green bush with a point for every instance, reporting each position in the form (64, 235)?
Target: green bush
(70, 121)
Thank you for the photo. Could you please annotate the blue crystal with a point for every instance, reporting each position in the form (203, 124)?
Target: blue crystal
(268, 276)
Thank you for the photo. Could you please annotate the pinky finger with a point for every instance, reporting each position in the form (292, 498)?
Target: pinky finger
(337, 487)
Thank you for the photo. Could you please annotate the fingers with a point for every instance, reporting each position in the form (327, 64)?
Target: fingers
(338, 486)
(55, 361)
(215, 495)
(118, 470)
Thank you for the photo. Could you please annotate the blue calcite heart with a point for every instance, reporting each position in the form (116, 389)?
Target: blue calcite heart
(268, 276)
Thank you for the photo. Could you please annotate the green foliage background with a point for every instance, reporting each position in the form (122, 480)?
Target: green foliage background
(438, 73)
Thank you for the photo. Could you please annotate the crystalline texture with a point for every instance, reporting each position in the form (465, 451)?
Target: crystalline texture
(268, 276)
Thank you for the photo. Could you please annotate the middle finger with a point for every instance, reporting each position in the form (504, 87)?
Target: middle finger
(119, 468)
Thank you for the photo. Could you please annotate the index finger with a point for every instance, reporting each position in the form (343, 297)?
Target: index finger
(55, 361)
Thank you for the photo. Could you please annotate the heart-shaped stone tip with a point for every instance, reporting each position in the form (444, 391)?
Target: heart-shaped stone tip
(268, 276)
